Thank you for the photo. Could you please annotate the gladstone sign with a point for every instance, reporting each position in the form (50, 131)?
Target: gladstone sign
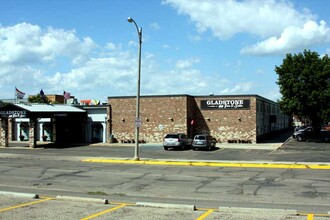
(13, 113)
(225, 104)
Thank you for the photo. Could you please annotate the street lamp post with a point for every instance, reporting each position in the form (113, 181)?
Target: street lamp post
(137, 114)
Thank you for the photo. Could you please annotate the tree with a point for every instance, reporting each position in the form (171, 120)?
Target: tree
(304, 81)
(38, 99)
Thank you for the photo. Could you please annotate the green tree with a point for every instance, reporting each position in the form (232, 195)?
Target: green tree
(304, 81)
(38, 99)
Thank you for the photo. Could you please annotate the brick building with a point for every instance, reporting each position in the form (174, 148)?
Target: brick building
(231, 118)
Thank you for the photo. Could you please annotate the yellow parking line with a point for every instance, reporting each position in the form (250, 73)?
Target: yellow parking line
(213, 164)
(25, 204)
(209, 211)
(106, 211)
(310, 217)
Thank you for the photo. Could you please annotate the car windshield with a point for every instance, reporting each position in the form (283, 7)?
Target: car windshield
(200, 138)
(172, 136)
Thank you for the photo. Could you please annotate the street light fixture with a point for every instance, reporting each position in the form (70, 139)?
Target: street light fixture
(137, 114)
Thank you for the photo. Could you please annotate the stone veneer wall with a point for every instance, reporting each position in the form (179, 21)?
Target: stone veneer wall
(159, 114)
(3, 132)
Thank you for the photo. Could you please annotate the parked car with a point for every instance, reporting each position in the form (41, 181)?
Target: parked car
(303, 133)
(176, 140)
(203, 141)
(306, 133)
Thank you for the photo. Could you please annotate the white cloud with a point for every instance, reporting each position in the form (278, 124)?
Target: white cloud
(57, 60)
(277, 23)
(227, 18)
(183, 78)
(260, 71)
(28, 54)
(194, 38)
(183, 64)
(27, 43)
(110, 46)
(238, 88)
(98, 74)
(292, 38)
(155, 26)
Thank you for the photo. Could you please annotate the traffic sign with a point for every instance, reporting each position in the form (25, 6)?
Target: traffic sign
(138, 122)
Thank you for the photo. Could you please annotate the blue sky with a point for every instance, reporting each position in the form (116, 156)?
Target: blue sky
(195, 47)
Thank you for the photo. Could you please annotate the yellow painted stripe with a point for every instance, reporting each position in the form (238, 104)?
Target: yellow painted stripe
(104, 212)
(25, 204)
(205, 214)
(212, 164)
(314, 214)
(310, 217)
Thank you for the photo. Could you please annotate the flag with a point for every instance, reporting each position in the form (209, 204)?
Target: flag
(19, 94)
(66, 95)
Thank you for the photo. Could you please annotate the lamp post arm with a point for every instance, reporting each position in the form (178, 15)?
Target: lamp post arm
(139, 31)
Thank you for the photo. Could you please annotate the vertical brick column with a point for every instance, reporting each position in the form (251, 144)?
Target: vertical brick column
(108, 126)
(33, 133)
(3, 132)
(54, 137)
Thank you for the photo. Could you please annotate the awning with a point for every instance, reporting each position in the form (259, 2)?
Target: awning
(29, 110)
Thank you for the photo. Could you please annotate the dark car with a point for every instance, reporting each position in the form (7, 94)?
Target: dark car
(303, 133)
(203, 141)
(176, 140)
(308, 133)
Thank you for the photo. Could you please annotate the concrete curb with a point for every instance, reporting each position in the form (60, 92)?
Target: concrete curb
(257, 210)
(167, 205)
(82, 199)
(26, 195)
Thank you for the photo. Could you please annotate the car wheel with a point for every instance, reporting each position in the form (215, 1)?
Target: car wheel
(299, 138)
(194, 149)
(165, 148)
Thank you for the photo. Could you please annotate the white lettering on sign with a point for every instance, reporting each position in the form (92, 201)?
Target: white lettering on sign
(226, 104)
(14, 114)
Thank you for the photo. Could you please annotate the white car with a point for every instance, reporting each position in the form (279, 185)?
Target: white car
(176, 140)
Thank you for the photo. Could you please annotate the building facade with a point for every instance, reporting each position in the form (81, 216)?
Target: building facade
(233, 119)
(229, 119)
(55, 123)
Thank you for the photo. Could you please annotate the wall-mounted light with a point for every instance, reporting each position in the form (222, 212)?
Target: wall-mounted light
(123, 119)
(208, 119)
(239, 119)
(147, 119)
(170, 119)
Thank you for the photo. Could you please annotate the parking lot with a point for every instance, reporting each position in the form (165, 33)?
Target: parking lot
(24, 206)
(59, 158)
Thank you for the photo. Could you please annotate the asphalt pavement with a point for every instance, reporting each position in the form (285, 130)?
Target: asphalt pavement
(279, 152)
(281, 149)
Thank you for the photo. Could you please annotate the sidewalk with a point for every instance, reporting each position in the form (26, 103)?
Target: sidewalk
(270, 144)
(261, 146)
